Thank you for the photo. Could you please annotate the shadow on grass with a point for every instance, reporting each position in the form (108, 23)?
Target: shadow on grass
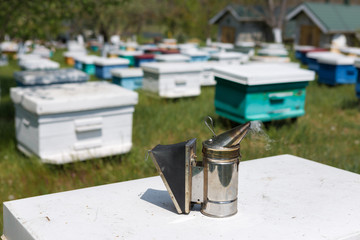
(350, 104)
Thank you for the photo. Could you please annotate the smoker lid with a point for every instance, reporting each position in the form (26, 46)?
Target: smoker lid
(50, 76)
(111, 61)
(181, 67)
(74, 97)
(172, 58)
(261, 74)
(336, 60)
(127, 72)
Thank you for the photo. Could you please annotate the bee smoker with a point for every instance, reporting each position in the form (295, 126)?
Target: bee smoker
(212, 183)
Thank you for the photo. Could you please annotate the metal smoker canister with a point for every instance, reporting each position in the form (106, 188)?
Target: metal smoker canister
(221, 165)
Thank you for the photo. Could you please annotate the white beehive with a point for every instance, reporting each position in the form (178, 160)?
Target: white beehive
(68, 122)
(282, 197)
(172, 58)
(229, 57)
(64, 75)
(172, 80)
(38, 64)
(207, 74)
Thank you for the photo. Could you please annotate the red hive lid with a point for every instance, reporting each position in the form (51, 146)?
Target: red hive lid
(145, 56)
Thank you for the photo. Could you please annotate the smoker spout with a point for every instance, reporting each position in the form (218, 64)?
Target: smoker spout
(229, 138)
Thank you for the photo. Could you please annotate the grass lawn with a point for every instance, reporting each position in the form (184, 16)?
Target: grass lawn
(329, 133)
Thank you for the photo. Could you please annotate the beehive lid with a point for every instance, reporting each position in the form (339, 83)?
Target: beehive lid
(245, 44)
(74, 97)
(145, 56)
(273, 51)
(303, 47)
(336, 60)
(28, 56)
(227, 55)
(130, 53)
(261, 74)
(127, 72)
(111, 61)
(282, 197)
(74, 53)
(39, 63)
(50, 76)
(316, 55)
(87, 59)
(196, 53)
(170, 67)
(357, 63)
(172, 58)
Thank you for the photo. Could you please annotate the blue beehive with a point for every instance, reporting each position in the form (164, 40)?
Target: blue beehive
(260, 92)
(197, 56)
(298, 51)
(334, 70)
(357, 87)
(77, 62)
(312, 59)
(130, 78)
(103, 66)
(144, 58)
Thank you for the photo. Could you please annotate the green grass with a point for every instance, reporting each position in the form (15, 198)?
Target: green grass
(328, 133)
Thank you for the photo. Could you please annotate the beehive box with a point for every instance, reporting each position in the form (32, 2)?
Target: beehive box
(207, 74)
(299, 48)
(281, 197)
(103, 66)
(273, 52)
(197, 56)
(244, 47)
(172, 58)
(172, 80)
(88, 63)
(38, 78)
(69, 57)
(304, 59)
(357, 87)
(144, 58)
(38, 64)
(312, 59)
(129, 78)
(334, 70)
(69, 122)
(130, 55)
(78, 62)
(229, 57)
(260, 92)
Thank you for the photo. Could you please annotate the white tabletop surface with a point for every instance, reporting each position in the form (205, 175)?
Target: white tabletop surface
(281, 198)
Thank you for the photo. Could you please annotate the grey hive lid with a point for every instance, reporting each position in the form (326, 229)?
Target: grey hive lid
(179, 67)
(74, 97)
(262, 74)
(64, 75)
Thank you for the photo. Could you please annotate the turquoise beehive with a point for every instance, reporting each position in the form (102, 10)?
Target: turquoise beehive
(260, 91)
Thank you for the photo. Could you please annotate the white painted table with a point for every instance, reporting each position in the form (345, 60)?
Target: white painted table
(282, 197)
